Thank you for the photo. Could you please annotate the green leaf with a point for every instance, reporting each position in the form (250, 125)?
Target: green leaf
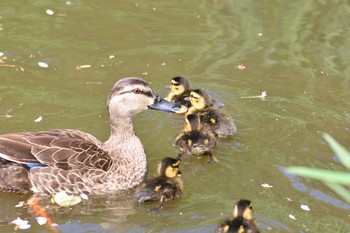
(341, 152)
(321, 174)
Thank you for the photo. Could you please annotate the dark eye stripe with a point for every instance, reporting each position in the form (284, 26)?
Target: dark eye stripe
(148, 93)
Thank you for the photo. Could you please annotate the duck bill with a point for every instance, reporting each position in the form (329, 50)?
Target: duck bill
(163, 105)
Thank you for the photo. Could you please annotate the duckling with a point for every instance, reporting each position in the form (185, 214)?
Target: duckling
(195, 140)
(237, 225)
(179, 91)
(166, 186)
(211, 117)
(241, 221)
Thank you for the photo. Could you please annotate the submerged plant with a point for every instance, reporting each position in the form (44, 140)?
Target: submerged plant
(336, 180)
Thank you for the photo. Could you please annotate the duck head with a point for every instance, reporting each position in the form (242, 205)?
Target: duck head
(132, 95)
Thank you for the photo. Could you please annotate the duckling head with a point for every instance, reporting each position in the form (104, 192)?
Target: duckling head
(179, 84)
(243, 208)
(169, 167)
(200, 99)
(192, 122)
(200, 144)
(132, 95)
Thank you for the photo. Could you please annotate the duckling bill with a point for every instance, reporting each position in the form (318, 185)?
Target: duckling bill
(166, 186)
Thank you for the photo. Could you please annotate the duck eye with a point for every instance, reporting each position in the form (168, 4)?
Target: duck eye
(137, 91)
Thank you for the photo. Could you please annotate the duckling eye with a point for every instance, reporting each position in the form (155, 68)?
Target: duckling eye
(192, 96)
(137, 91)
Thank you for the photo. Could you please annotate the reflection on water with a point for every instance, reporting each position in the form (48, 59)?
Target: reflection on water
(297, 51)
(317, 194)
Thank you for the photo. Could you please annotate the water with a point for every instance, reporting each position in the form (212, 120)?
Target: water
(297, 51)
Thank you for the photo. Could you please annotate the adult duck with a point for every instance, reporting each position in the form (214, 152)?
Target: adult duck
(77, 162)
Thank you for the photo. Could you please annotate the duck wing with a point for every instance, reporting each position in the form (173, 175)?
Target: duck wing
(65, 149)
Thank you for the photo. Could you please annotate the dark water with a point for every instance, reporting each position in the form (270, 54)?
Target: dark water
(297, 51)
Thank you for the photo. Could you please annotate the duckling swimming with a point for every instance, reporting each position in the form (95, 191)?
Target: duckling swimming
(195, 140)
(166, 186)
(211, 117)
(180, 91)
(241, 221)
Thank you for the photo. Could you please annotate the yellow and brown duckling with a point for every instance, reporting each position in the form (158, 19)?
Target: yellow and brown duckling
(241, 221)
(166, 186)
(211, 117)
(195, 140)
(179, 91)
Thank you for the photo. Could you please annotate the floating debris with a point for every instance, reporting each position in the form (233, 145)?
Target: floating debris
(305, 207)
(63, 199)
(292, 217)
(88, 83)
(262, 96)
(241, 67)
(1, 54)
(3, 63)
(20, 204)
(21, 224)
(37, 120)
(82, 67)
(43, 64)
(7, 113)
(267, 186)
(41, 220)
(50, 12)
